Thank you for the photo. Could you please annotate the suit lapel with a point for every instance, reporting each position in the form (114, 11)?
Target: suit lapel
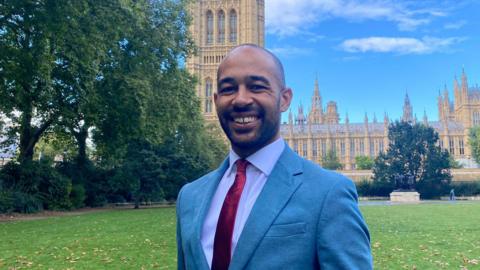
(280, 186)
(204, 198)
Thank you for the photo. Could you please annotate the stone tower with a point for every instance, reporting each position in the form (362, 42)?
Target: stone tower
(407, 110)
(218, 26)
(316, 113)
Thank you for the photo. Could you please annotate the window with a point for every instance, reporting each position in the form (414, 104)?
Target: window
(451, 144)
(233, 26)
(304, 148)
(380, 146)
(208, 95)
(209, 27)
(221, 27)
(352, 147)
(295, 146)
(342, 148)
(362, 147)
(441, 143)
(476, 118)
(372, 148)
(314, 149)
(461, 146)
(324, 147)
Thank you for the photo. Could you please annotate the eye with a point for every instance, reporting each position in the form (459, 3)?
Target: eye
(225, 90)
(257, 87)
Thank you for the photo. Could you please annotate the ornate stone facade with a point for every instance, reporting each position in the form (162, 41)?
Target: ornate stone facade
(324, 132)
(218, 26)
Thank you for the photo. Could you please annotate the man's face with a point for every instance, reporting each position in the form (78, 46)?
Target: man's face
(250, 99)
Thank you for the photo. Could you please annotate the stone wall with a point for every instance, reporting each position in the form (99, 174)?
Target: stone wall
(459, 175)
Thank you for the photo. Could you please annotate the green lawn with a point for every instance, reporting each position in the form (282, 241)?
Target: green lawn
(433, 236)
(425, 236)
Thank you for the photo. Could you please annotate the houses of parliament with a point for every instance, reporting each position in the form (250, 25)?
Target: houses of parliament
(219, 25)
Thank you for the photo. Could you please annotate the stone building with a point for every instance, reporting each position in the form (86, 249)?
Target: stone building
(312, 135)
(219, 25)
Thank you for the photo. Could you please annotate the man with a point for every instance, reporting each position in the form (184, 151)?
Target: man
(265, 207)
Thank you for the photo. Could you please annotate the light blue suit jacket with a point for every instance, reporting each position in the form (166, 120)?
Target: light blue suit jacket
(304, 218)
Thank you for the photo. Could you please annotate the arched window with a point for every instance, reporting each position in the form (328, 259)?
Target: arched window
(221, 27)
(476, 118)
(208, 95)
(233, 26)
(209, 27)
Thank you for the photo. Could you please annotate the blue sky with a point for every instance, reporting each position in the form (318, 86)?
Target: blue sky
(368, 54)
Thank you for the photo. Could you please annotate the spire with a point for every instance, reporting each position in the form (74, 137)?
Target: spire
(407, 110)
(300, 120)
(464, 86)
(425, 118)
(385, 119)
(316, 113)
(290, 117)
(365, 118)
(374, 118)
(441, 113)
(347, 120)
(457, 94)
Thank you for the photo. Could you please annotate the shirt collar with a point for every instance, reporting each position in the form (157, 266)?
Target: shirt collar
(264, 159)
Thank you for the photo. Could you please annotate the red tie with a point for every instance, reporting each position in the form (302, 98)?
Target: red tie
(222, 246)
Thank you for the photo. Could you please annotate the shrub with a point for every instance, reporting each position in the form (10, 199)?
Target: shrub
(6, 201)
(26, 203)
(77, 196)
(466, 188)
(35, 186)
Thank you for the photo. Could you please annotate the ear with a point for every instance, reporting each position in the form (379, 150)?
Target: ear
(285, 98)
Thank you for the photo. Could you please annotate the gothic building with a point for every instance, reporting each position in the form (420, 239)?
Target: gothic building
(219, 25)
(313, 135)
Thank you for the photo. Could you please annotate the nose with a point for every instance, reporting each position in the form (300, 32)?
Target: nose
(243, 97)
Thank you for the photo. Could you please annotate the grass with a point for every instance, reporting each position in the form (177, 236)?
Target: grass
(118, 239)
(426, 236)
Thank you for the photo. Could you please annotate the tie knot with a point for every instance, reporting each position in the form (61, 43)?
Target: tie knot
(242, 165)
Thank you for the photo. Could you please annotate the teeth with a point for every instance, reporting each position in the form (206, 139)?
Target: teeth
(244, 120)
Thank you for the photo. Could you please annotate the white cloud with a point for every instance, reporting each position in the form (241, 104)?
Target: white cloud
(288, 17)
(455, 25)
(290, 51)
(399, 45)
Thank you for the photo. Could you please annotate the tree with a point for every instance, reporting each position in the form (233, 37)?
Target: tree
(330, 161)
(30, 38)
(474, 142)
(413, 152)
(363, 162)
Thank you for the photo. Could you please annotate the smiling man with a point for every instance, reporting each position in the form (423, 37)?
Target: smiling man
(265, 207)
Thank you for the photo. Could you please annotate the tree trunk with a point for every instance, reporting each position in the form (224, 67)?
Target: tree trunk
(26, 130)
(81, 138)
(30, 135)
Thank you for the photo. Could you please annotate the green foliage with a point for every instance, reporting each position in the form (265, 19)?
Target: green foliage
(454, 164)
(466, 188)
(474, 142)
(77, 196)
(95, 181)
(330, 161)
(35, 186)
(363, 162)
(368, 188)
(6, 201)
(413, 151)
